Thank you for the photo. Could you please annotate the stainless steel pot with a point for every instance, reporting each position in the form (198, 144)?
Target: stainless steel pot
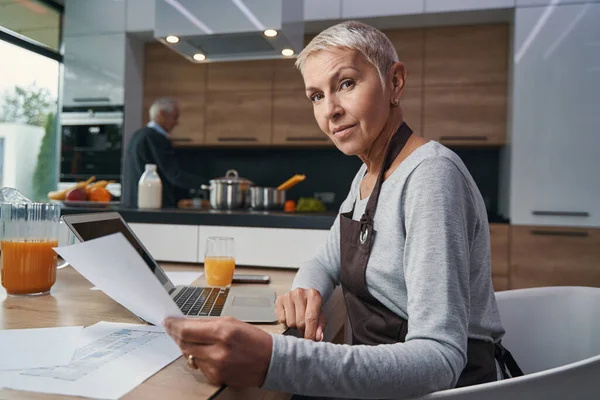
(229, 192)
(266, 198)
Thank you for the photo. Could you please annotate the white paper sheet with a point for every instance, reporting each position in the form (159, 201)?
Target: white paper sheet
(37, 348)
(177, 277)
(111, 360)
(112, 264)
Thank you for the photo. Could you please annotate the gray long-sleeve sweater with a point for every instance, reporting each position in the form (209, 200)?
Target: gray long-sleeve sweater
(430, 263)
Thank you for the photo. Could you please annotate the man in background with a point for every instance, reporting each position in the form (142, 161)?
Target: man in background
(151, 145)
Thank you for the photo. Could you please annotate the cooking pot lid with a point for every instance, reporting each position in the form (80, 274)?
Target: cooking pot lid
(231, 176)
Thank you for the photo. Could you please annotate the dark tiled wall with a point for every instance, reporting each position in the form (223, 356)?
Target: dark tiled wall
(326, 170)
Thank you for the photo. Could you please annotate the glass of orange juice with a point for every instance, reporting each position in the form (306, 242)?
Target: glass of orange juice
(29, 233)
(219, 261)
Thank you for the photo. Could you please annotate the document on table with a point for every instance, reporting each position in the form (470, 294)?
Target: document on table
(112, 264)
(111, 360)
(178, 278)
(28, 348)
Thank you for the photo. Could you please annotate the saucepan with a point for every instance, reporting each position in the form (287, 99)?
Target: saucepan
(266, 198)
(271, 198)
(230, 192)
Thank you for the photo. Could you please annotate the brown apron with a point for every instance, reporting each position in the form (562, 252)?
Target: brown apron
(373, 323)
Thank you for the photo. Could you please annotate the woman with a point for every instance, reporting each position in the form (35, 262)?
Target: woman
(410, 249)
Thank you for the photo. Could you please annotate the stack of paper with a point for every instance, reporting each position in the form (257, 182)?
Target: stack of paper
(111, 359)
(37, 348)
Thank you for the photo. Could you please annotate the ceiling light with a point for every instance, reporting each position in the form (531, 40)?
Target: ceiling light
(172, 39)
(287, 52)
(199, 57)
(270, 33)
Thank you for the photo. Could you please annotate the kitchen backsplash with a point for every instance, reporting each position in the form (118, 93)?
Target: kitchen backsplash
(326, 170)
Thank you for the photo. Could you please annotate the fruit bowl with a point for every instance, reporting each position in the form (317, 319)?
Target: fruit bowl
(85, 192)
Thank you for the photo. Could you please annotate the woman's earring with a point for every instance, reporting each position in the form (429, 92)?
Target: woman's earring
(395, 103)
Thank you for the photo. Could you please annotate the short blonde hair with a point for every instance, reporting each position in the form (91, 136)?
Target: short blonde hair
(372, 44)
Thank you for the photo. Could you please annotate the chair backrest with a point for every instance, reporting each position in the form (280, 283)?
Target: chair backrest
(551, 326)
(546, 329)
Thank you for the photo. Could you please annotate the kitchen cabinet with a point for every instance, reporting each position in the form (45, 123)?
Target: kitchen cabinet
(239, 118)
(466, 5)
(554, 256)
(94, 70)
(465, 115)
(169, 74)
(294, 122)
(555, 141)
(175, 243)
(465, 85)
(380, 8)
(315, 10)
(92, 17)
(466, 55)
(409, 45)
(240, 76)
(267, 247)
(287, 77)
(499, 238)
(412, 107)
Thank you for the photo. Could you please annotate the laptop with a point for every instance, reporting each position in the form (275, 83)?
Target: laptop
(255, 305)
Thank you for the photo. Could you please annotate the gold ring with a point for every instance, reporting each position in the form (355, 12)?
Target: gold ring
(191, 363)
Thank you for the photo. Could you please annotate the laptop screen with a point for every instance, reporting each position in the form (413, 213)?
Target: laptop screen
(89, 230)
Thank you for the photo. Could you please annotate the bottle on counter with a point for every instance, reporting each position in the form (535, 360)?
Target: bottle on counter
(150, 188)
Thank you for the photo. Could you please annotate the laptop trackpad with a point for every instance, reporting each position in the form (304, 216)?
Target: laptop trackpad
(246, 301)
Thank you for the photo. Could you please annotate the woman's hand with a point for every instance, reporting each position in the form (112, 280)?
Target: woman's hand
(227, 351)
(302, 309)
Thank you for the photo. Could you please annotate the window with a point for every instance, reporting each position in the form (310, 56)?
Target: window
(29, 32)
(33, 21)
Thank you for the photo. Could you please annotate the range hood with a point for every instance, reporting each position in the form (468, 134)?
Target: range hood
(230, 30)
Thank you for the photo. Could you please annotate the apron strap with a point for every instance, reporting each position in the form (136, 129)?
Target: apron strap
(507, 362)
(394, 147)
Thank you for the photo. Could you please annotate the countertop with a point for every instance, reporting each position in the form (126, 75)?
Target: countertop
(248, 218)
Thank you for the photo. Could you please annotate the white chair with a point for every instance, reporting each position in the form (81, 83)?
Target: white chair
(554, 335)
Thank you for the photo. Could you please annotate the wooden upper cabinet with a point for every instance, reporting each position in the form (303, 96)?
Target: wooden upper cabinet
(409, 46)
(550, 256)
(238, 118)
(287, 76)
(167, 74)
(240, 76)
(466, 55)
(465, 115)
(294, 122)
(412, 107)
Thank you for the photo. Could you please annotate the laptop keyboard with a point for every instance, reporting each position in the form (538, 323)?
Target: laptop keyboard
(206, 302)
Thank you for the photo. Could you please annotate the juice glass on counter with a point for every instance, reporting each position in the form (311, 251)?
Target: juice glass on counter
(29, 231)
(219, 261)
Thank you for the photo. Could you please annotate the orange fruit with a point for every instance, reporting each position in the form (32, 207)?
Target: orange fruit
(99, 194)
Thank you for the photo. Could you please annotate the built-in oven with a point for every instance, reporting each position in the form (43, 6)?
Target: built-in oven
(91, 145)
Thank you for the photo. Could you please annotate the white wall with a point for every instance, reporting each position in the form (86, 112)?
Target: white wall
(21, 148)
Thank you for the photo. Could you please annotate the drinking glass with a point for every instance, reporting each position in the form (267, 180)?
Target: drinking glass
(29, 231)
(219, 261)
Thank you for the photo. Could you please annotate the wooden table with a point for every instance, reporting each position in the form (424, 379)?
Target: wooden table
(72, 303)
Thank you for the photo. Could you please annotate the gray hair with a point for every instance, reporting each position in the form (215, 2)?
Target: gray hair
(372, 44)
(166, 104)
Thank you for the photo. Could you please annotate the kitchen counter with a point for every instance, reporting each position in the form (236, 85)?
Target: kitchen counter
(244, 218)
(247, 218)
